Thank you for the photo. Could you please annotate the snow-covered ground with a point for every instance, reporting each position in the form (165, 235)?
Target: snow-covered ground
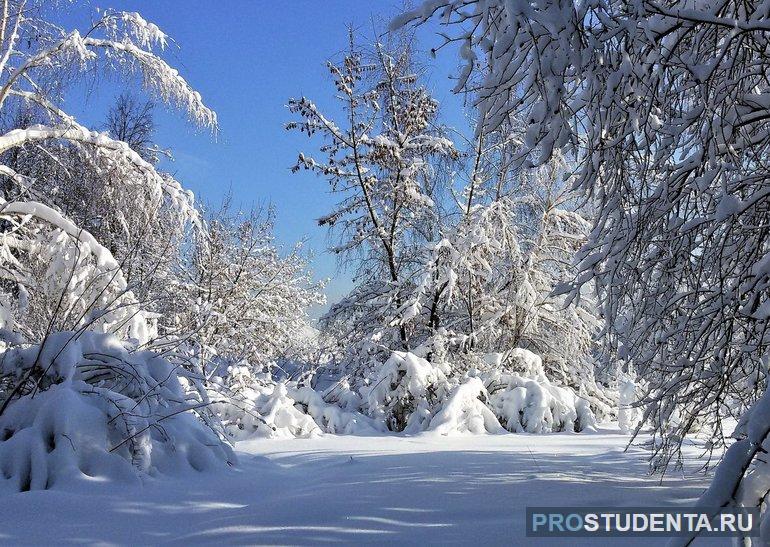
(347, 489)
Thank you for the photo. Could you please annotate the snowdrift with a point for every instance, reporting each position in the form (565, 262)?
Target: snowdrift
(83, 407)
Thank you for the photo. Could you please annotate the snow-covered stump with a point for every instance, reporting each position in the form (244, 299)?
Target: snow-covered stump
(89, 409)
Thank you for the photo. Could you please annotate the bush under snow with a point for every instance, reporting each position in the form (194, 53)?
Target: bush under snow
(412, 394)
(82, 406)
(257, 407)
(334, 419)
(404, 391)
(466, 411)
(530, 402)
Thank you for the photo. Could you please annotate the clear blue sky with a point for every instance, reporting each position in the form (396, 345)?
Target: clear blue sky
(247, 58)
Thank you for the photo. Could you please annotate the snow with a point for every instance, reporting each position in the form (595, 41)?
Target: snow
(353, 490)
(263, 411)
(102, 417)
(109, 414)
(464, 412)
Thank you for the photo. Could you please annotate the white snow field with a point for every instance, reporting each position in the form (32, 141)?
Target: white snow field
(426, 489)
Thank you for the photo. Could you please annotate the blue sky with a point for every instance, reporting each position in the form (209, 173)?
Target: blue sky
(247, 58)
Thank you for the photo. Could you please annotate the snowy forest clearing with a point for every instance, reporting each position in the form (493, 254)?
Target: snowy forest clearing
(349, 489)
(591, 245)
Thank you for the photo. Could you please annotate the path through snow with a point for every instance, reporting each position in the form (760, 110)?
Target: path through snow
(334, 489)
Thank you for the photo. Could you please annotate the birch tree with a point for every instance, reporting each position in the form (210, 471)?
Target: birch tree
(36, 57)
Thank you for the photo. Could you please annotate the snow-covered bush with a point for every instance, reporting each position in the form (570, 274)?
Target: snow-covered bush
(404, 391)
(84, 405)
(525, 405)
(465, 410)
(142, 230)
(482, 394)
(333, 419)
(525, 400)
(250, 406)
(80, 393)
(59, 180)
(63, 278)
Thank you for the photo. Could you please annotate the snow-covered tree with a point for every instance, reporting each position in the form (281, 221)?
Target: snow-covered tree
(379, 162)
(664, 106)
(141, 233)
(488, 280)
(131, 193)
(239, 298)
(74, 402)
(456, 252)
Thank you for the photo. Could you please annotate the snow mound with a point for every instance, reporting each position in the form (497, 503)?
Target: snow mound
(466, 411)
(531, 403)
(82, 407)
(250, 406)
(404, 391)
